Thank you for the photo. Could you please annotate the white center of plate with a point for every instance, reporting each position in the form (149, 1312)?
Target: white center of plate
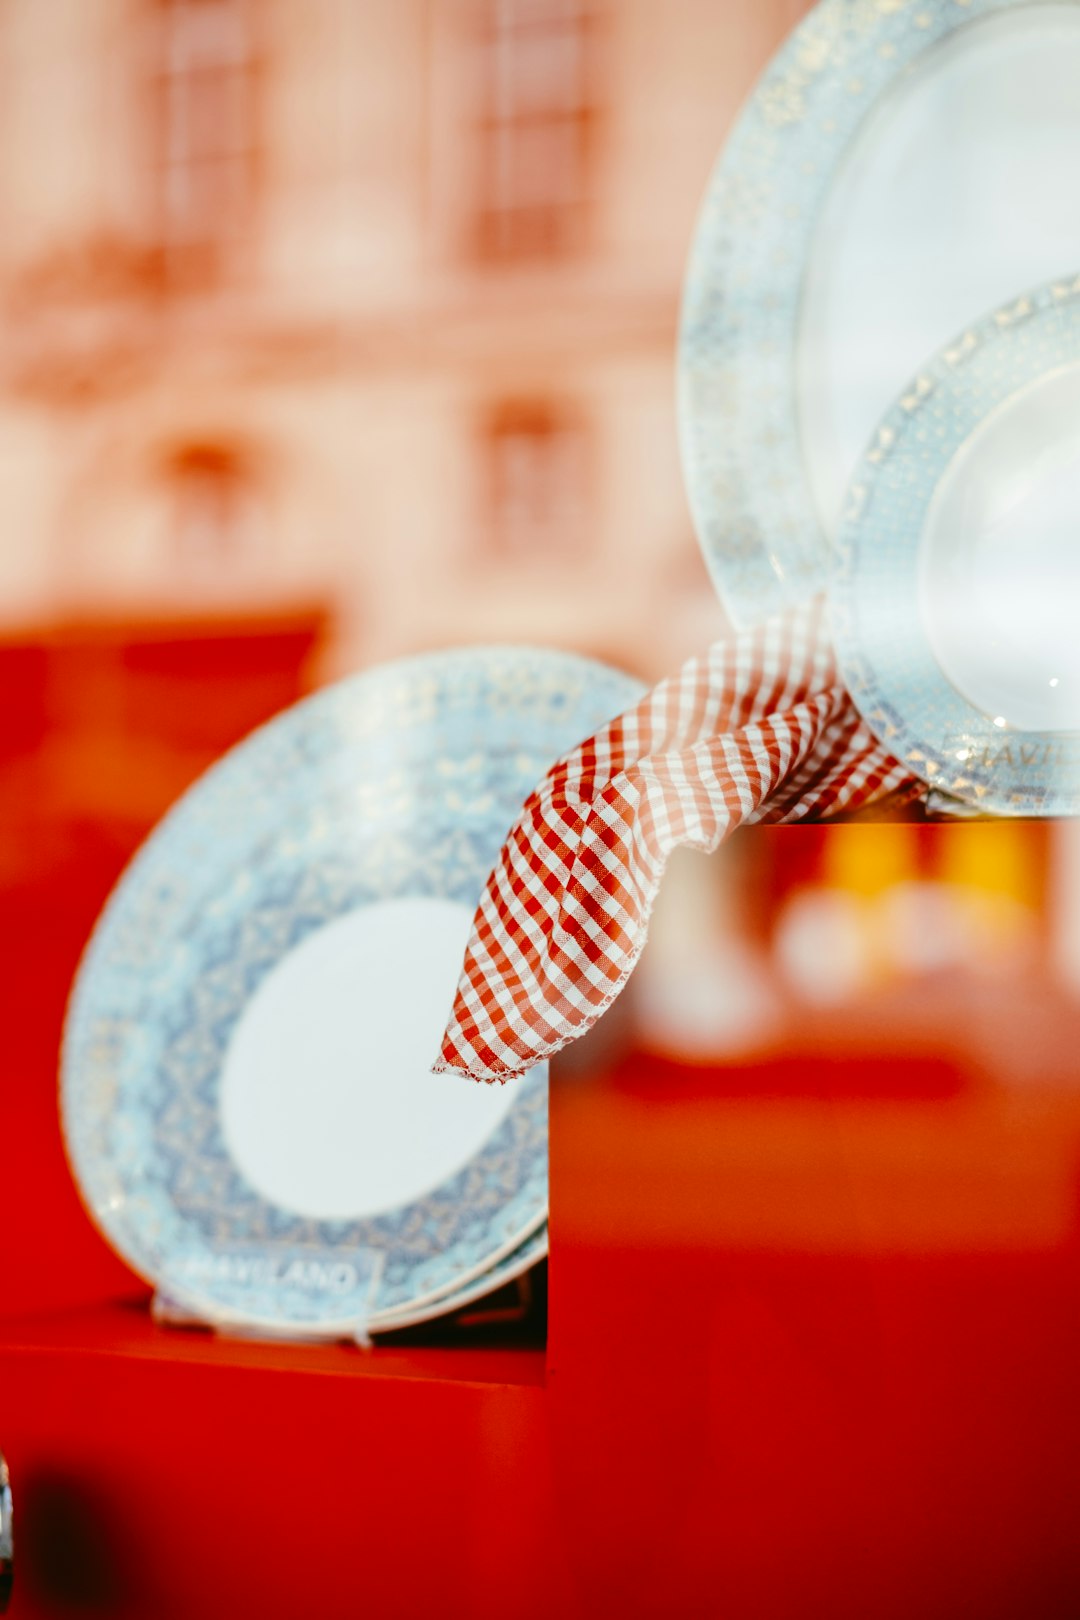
(328, 1105)
(958, 194)
(999, 561)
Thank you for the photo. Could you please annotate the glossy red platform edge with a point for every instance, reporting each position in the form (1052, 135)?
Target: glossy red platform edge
(811, 1353)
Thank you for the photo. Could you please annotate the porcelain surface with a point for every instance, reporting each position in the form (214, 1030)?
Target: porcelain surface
(901, 167)
(512, 1265)
(940, 474)
(401, 782)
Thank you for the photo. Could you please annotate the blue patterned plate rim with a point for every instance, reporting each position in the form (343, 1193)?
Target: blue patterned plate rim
(297, 826)
(504, 1271)
(753, 508)
(885, 655)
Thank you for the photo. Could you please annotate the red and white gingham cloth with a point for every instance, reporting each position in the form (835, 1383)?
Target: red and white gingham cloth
(760, 729)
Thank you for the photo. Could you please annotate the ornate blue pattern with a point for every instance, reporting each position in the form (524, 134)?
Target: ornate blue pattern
(399, 782)
(533, 1249)
(742, 455)
(885, 655)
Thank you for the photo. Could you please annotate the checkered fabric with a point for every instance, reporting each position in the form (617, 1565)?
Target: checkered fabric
(760, 729)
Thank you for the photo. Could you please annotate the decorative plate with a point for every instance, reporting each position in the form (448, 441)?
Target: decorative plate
(955, 594)
(901, 166)
(245, 1089)
(512, 1265)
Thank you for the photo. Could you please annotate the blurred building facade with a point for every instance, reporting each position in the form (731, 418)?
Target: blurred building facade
(336, 331)
(369, 304)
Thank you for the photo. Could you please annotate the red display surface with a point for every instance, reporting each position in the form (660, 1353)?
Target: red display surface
(818, 1362)
(165, 1472)
(814, 1327)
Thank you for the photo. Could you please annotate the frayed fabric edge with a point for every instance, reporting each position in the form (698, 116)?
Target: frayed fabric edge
(479, 1075)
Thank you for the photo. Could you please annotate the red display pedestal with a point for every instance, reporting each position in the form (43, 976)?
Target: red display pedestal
(759, 1399)
(818, 1359)
(814, 1332)
(163, 1472)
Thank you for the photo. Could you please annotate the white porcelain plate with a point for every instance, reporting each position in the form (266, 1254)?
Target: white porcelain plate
(902, 166)
(504, 1271)
(956, 596)
(246, 1088)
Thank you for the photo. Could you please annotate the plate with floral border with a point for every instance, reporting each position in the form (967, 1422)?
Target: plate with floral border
(246, 1094)
(901, 166)
(504, 1271)
(954, 597)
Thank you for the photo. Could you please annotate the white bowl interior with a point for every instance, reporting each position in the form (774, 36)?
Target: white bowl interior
(959, 193)
(999, 561)
(328, 1105)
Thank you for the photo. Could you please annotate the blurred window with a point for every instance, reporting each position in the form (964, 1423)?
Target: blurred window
(536, 114)
(204, 81)
(215, 525)
(537, 470)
